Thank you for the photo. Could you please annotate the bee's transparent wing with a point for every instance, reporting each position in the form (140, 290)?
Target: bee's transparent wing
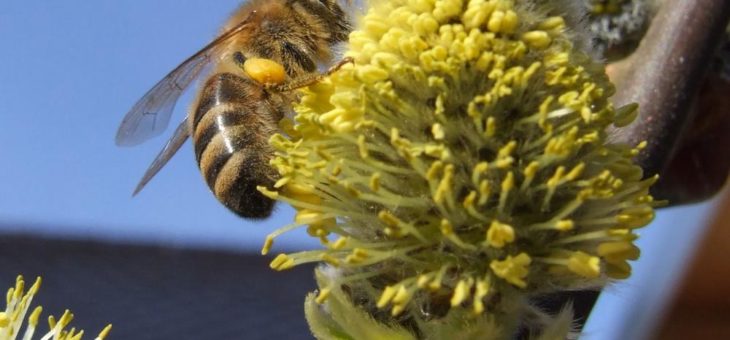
(151, 114)
(178, 139)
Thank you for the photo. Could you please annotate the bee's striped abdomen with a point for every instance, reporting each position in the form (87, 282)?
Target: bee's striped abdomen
(230, 126)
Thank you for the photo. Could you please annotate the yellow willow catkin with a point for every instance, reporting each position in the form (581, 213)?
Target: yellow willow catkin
(465, 146)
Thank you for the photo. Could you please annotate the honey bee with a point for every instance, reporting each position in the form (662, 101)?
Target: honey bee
(267, 49)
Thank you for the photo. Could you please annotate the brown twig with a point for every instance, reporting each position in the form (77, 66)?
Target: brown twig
(664, 75)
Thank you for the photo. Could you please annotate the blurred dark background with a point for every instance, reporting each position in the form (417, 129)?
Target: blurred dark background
(149, 292)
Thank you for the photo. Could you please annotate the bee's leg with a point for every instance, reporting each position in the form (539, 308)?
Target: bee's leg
(309, 79)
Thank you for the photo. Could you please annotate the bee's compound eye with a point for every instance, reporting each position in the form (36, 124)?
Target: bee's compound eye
(264, 71)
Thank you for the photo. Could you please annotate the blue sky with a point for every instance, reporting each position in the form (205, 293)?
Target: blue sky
(69, 71)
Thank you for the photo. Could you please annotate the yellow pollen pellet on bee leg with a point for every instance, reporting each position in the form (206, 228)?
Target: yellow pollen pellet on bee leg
(264, 71)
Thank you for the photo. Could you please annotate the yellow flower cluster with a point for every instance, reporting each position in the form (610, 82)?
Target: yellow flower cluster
(464, 154)
(18, 304)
